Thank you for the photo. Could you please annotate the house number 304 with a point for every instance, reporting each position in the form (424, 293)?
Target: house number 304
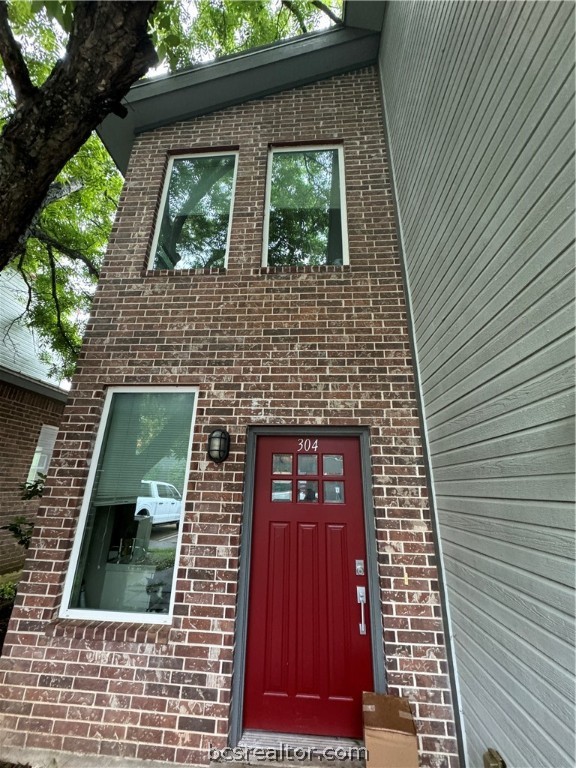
(307, 445)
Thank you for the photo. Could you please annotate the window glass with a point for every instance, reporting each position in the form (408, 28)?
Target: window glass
(43, 453)
(308, 490)
(129, 539)
(195, 216)
(333, 492)
(281, 490)
(307, 464)
(282, 464)
(305, 217)
(332, 464)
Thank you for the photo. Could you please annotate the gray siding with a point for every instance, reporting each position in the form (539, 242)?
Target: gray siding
(479, 104)
(19, 348)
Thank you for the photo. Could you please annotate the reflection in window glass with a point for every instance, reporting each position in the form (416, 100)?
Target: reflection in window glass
(332, 464)
(305, 215)
(124, 565)
(307, 464)
(333, 491)
(282, 464)
(307, 490)
(281, 490)
(196, 215)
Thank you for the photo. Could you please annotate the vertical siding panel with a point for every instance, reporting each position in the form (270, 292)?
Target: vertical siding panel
(479, 104)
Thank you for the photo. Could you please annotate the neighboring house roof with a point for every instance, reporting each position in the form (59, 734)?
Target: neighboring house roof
(20, 362)
(253, 74)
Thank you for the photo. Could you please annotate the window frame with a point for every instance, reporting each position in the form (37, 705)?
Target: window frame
(164, 197)
(273, 150)
(65, 611)
(45, 430)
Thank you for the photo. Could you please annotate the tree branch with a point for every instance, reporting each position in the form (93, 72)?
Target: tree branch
(56, 191)
(11, 55)
(328, 11)
(295, 12)
(108, 49)
(71, 253)
(71, 346)
(25, 278)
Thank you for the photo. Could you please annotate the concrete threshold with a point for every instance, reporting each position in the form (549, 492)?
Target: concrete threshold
(284, 750)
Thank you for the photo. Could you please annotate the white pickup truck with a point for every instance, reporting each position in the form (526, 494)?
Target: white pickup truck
(161, 502)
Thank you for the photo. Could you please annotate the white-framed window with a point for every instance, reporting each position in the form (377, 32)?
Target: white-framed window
(43, 452)
(305, 222)
(193, 227)
(124, 557)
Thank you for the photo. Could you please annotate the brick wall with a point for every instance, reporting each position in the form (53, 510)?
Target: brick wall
(324, 345)
(22, 414)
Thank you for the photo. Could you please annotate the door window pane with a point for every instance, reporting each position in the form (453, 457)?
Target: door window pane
(307, 464)
(195, 217)
(333, 491)
(282, 464)
(127, 557)
(281, 490)
(305, 217)
(308, 490)
(332, 464)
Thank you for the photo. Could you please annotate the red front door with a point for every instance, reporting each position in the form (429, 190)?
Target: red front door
(308, 658)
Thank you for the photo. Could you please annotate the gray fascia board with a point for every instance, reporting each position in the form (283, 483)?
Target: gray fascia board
(33, 385)
(216, 85)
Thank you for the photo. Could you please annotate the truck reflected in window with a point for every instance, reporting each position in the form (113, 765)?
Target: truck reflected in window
(161, 502)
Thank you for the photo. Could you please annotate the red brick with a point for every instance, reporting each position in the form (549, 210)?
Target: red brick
(152, 752)
(22, 414)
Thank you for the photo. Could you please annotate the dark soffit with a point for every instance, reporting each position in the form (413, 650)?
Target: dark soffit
(367, 14)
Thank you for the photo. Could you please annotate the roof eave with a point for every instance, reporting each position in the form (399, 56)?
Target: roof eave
(223, 83)
(33, 385)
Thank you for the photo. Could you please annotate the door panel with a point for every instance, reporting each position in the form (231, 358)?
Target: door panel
(307, 662)
(276, 645)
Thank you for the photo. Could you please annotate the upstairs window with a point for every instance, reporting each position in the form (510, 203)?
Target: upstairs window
(306, 216)
(195, 215)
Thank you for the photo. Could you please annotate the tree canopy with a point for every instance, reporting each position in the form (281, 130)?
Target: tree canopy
(65, 65)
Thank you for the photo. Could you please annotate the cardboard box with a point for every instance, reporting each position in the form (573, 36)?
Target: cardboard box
(389, 732)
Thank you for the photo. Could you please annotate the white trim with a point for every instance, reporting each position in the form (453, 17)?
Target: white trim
(163, 198)
(119, 616)
(343, 211)
(236, 154)
(44, 447)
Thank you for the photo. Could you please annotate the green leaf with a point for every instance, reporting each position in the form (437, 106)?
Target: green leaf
(61, 11)
(21, 11)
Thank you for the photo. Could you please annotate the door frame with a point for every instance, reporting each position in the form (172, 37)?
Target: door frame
(377, 638)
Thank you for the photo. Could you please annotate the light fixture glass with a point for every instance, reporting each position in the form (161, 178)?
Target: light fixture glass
(218, 445)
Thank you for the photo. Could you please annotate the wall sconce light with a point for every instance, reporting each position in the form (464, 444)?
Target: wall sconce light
(218, 445)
